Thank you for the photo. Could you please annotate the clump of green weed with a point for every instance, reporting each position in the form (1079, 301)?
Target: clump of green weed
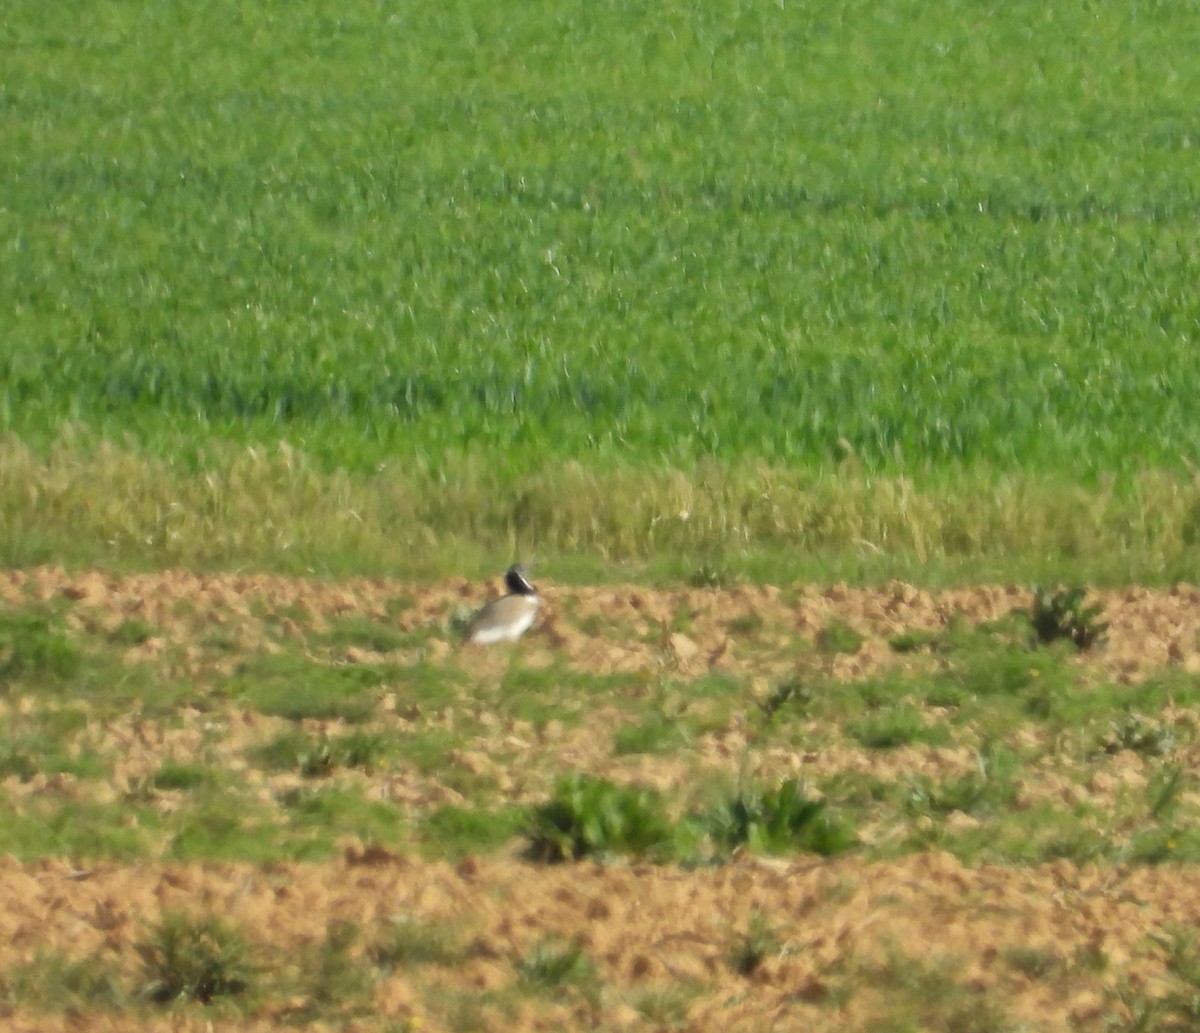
(365, 633)
(1140, 734)
(1178, 1008)
(658, 734)
(132, 632)
(839, 637)
(297, 688)
(751, 948)
(550, 964)
(317, 756)
(990, 786)
(174, 775)
(452, 831)
(748, 624)
(712, 575)
(912, 641)
(335, 984)
(779, 820)
(197, 959)
(51, 980)
(1059, 614)
(665, 1006)
(792, 692)
(33, 647)
(893, 726)
(406, 942)
(588, 816)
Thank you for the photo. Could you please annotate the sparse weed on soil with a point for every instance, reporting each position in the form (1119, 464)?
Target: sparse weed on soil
(194, 959)
(777, 757)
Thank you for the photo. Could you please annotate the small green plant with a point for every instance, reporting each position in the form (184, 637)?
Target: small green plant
(551, 963)
(894, 726)
(589, 816)
(658, 734)
(1162, 793)
(752, 947)
(1034, 962)
(778, 821)
(54, 981)
(746, 625)
(665, 1006)
(197, 959)
(712, 575)
(406, 942)
(453, 831)
(364, 633)
(792, 692)
(132, 632)
(33, 647)
(174, 775)
(317, 756)
(839, 637)
(334, 984)
(989, 787)
(1141, 734)
(1179, 1007)
(912, 641)
(1059, 614)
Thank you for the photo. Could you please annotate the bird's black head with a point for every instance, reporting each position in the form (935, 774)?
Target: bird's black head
(517, 582)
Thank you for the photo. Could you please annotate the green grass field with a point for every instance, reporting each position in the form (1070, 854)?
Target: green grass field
(466, 260)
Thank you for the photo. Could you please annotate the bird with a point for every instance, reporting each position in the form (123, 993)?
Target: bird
(508, 618)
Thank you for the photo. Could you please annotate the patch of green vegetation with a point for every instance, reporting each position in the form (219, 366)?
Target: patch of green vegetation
(589, 816)
(839, 637)
(1059, 615)
(327, 813)
(455, 832)
(899, 725)
(713, 575)
(752, 947)
(554, 693)
(553, 965)
(912, 641)
(59, 825)
(1144, 735)
(785, 819)
(657, 733)
(991, 786)
(221, 824)
(747, 625)
(54, 982)
(292, 687)
(333, 985)
(194, 959)
(185, 776)
(366, 633)
(921, 993)
(317, 755)
(405, 942)
(792, 694)
(132, 632)
(428, 750)
(665, 1005)
(35, 651)
(45, 745)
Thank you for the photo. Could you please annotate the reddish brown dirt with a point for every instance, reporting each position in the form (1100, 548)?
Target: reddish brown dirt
(845, 930)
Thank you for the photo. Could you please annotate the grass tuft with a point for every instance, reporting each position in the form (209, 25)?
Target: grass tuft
(590, 816)
(196, 959)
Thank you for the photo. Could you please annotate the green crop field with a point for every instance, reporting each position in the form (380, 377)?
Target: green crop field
(900, 286)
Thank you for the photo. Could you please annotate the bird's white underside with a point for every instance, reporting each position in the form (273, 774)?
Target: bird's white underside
(504, 631)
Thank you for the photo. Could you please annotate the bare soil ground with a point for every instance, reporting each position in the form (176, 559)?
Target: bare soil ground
(1053, 947)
